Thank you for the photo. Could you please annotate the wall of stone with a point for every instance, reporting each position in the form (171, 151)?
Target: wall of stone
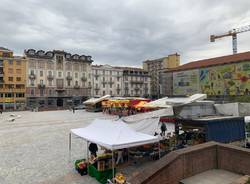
(188, 162)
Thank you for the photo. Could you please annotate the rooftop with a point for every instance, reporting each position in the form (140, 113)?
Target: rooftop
(245, 56)
(5, 49)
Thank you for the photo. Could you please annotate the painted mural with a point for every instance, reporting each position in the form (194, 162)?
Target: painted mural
(232, 79)
(186, 82)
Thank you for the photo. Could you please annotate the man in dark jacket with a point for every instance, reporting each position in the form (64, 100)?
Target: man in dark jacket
(93, 149)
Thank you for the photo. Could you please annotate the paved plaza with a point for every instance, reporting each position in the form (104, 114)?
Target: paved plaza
(34, 147)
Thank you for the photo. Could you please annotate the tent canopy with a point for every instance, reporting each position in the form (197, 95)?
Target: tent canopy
(113, 135)
(168, 102)
(93, 101)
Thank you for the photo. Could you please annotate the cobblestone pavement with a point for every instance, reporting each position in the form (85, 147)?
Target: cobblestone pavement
(34, 147)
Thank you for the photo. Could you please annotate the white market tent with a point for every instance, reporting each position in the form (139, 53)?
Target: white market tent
(170, 102)
(112, 135)
(93, 101)
(160, 103)
(148, 122)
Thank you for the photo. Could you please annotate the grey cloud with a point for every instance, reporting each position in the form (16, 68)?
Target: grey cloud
(122, 32)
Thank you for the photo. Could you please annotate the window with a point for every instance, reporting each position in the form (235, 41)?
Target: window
(118, 79)
(76, 75)
(10, 70)
(41, 64)
(10, 78)
(50, 82)
(10, 62)
(18, 71)
(50, 92)
(76, 83)
(50, 73)
(32, 82)
(103, 72)
(59, 74)
(68, 82)
(41, 81)
(110, 72)
(9, 95)
(41, 92)
(103, 79)
(18, 79)
(20, 95)
(32, 72)
(32, 91)
(50, 65)
(41, 73)
(103, 85)
(111, 93)
(103, 93)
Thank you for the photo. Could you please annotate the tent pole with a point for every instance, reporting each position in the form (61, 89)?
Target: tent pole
(159, 147)
(87, 152)
(113, 165)
(69, 147)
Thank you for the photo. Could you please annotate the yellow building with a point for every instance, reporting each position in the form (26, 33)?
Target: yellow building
(155, 66)
(12, 80)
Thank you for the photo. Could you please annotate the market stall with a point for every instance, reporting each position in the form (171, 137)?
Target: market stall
(95, 104)
(112, 135)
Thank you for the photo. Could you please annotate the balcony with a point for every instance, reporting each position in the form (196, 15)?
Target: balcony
(104, 82)
(137, 82)
(41, 86)
(97, 88)
(77, 86)
(118, 89)
(50, 77)
(69, 77)
(32, 76)
(137, 89)
(60, 89)
(84, 79)
(111, 82)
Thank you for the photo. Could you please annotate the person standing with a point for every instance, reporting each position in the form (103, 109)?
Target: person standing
(93, 149)
(73, 110)
(119, 156)
(163, 129)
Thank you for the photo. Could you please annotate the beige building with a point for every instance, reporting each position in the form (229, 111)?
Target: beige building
(136, 82)
(120, 81)
(155, 66)
(106, 79)
(57, 78)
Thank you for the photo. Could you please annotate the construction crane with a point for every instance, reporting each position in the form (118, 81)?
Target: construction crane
(232, 33)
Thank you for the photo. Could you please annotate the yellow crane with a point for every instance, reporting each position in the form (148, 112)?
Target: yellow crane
(232, 33)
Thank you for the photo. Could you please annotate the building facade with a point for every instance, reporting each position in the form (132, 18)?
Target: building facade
(12, 80)
(107, 79)
(57, 79)
(217, 77)
(136, 82)
(155, 66)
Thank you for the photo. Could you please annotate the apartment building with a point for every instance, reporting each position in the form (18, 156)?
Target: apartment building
(57, 79)
(107, 79)
(12, 80)
(136, 82)
(155, 66)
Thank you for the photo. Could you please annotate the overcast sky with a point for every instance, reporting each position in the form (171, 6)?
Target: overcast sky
(124, 32)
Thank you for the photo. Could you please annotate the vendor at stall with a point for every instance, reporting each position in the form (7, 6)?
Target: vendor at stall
(93, 149)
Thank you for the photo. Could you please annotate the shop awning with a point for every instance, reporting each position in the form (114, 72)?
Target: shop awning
(113, 135)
